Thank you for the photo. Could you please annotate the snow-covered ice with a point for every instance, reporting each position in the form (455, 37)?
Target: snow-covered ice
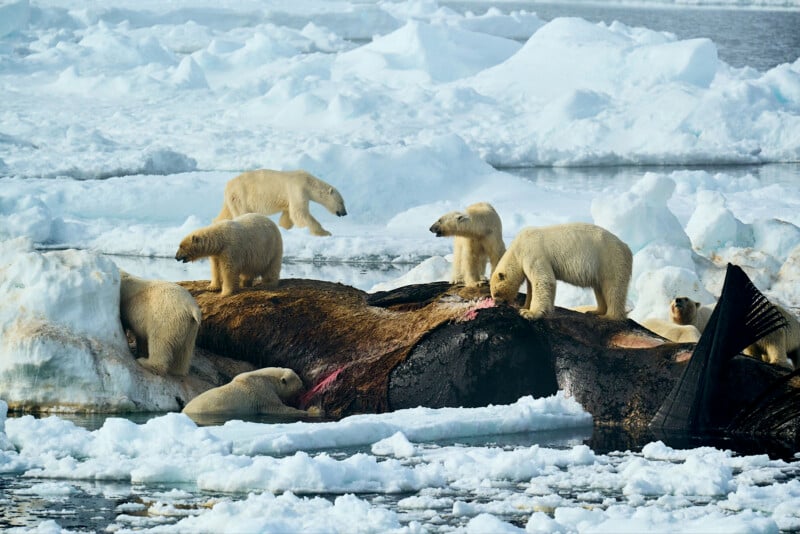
(120, 123)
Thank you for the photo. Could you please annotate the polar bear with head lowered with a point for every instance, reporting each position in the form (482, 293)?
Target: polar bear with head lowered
(164, 318)
(266, 191)
(240, 251)
(581, 254)
(263, 391)
(478, 235)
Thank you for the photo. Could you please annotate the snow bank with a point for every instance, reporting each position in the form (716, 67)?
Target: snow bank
(240, 87)
(61, 340)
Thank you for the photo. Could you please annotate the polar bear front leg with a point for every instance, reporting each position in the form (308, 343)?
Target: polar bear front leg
(474, 263)
(215, 276)
(301, 217)
(230, 280)
(457, 276)
(286, 220)
(541, 290)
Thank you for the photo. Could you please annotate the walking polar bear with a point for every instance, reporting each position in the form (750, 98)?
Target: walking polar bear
(266, 191)
(780, 347)
(581, 254)
(478, 235)
(263, 391)
(164, 318)
(240, 250)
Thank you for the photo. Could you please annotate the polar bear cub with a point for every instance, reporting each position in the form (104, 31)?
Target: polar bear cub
(164, 318)
(263, 391)
(267, 191)
(478, 235)
(581, 254)
(240, 251)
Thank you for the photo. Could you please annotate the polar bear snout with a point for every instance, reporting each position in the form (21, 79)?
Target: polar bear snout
(181, 257)
(436, 228)
(341, 213)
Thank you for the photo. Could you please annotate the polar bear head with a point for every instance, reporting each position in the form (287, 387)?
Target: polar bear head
(328, 196)
(504, 285)
(336, 202)
(283, 381)
(450, 224)
(203, 242)
(683, 310)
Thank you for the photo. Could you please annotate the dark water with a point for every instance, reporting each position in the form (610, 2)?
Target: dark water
(756, 38)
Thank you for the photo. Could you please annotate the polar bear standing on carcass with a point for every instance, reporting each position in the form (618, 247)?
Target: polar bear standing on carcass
(478, 235)
(240, 251)
(581, 254)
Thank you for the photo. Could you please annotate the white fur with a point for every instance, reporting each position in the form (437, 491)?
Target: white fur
(268, 191)
(240, 250)
(685, 311)
(671, 331)
(581, 254)
(262, 391)
(781, 347)
(164, 318)
(478, 235)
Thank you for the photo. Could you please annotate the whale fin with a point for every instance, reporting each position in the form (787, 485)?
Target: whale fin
(742, 316)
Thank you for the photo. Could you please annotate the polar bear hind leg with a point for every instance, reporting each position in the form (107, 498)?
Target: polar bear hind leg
(602, 304)
(616, 294)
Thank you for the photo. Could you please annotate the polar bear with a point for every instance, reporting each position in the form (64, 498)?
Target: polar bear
(685, 311)
(679, 333)
(781, 347)
(164, 318)
(478, 235)
(262, 391)
(240, 250)
(266, 191)
(577, 253)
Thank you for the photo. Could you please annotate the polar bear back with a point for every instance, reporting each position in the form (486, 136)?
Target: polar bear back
(262, 391)
(269, 191)
(252, 242)
(152, 304)
(581, 254)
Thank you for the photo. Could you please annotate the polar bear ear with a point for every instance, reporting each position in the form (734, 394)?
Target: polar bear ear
(283, 380)
(195, 239)
(463, 217)
(501, 276)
